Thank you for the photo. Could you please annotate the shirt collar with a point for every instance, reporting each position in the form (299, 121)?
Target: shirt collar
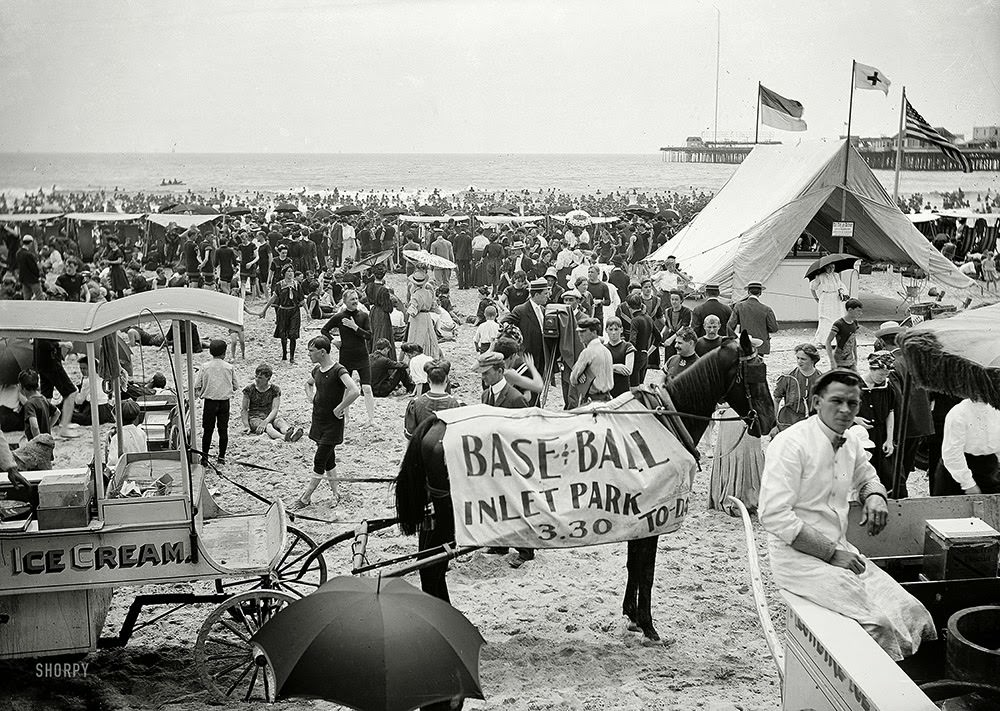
(498, 386)
(827, 432)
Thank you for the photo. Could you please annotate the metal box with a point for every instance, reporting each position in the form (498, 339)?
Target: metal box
(50, 519)
(958, 548)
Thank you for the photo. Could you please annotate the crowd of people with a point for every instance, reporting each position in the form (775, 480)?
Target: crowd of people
(556, 301)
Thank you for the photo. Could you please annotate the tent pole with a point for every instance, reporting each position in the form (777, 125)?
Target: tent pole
(899, 146)
(847, 155)
(756, 126)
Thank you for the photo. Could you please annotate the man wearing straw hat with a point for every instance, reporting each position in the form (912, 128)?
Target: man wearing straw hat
(441, 247)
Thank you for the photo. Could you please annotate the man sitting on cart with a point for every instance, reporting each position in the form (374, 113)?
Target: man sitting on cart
(809, 470)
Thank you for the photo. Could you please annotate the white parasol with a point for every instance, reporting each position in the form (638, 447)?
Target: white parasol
(425, 258)
(578, 218)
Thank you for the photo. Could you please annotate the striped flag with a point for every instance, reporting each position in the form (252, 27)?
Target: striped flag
(917, 127)
(778, 112)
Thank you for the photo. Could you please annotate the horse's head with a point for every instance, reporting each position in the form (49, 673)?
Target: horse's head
(748, 393)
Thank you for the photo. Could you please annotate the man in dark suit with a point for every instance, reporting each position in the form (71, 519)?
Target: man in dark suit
(755, 318)
(618, 278)
(711, 306)
(528, 317)
(463, 257)
(521, 261)
(500, 393)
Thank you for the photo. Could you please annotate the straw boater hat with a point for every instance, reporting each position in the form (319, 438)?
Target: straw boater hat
(888, 328)
(419, 278)
(537, 285)
(488, 360)
(711, 289)
(754, 284)
(517, 245)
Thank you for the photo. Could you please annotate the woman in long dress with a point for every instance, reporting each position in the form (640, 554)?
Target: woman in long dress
(380, 309)
(830, 294)
(287, 300)
(421, 323)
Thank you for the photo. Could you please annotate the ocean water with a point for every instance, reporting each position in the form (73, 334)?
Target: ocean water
(408, 173)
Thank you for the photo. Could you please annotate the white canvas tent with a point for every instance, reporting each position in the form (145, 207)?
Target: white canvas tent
(781, 191)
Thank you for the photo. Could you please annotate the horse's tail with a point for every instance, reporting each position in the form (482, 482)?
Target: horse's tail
(411, 482)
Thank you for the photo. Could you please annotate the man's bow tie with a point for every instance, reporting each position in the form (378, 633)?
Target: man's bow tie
(838, 442)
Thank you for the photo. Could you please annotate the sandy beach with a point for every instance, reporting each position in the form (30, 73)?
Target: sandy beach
(555, 635)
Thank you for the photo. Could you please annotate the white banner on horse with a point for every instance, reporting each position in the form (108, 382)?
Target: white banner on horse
(536, 478)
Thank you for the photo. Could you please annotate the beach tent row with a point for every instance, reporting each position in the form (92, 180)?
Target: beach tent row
(782, 191)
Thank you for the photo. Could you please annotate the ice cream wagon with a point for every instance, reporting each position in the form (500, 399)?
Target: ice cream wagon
(152, 522)
(943, 550)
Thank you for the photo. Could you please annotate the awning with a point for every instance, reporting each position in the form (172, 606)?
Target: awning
(593, 220)
(104, 216)
(508, 219)
(182, 221)
(65, 321)
(30, 217)
(427, 219)
(919, 217)
(959, 355)
(967, 214)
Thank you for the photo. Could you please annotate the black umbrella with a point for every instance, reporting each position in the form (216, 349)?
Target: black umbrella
(286, 207)
(390, 211)
(841, 262)
(428, 211)
(238, 211)
(349, 210)
(320, 213)
(372, 644)
(15, 355)
(191, 209)
(501, 210)
(638, 210)
(668, 214)
(370, 261)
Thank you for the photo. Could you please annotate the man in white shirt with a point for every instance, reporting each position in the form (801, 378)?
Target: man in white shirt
(593, 372)
(809, 471)
(970, 450)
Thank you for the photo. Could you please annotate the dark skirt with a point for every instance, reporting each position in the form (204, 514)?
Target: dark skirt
(118, 278)
(985, 472)
(382, 328)
(327, 430)
(287, 323)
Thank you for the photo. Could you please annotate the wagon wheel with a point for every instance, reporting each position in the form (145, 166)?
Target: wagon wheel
(288, 574)
(229, 665)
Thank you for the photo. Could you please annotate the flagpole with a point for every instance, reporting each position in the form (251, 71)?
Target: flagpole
(756, 127)
(899, 146)
(847, 153)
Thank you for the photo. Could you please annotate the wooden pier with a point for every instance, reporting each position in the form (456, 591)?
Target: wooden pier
(882, 159)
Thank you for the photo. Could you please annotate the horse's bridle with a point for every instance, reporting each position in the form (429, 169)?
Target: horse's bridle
(751, 369)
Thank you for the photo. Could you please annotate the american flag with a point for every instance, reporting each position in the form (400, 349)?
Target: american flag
(917, 127)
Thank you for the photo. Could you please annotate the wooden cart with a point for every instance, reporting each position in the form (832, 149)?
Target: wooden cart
(153, 522)
(828, 661)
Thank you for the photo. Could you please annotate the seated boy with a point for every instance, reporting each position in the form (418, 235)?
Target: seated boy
(412, 355)
(259, 412)
(387, 374)
(33, 404)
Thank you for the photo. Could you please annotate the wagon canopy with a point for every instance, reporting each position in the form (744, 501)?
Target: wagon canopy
(91, 322)
(959, 356)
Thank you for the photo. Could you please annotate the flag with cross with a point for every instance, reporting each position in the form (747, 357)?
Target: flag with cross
(866, 77)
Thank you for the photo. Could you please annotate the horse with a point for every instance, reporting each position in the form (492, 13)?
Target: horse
(733, 372)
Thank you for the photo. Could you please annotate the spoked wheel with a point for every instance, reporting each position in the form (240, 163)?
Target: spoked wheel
(229, 665)
(288, 574)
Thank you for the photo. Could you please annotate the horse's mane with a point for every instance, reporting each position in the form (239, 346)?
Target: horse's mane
(699, 387)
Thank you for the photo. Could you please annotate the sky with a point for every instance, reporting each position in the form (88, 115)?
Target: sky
(474, 76)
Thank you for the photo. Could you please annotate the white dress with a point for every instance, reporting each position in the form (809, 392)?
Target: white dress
(828, 288)
(806, 483)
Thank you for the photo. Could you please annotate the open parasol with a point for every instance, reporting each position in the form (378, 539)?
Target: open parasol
(428, 211)
(391, 211)
(501, 210)
(370, 261)
(372, 644)
(639, 210)
(425, 258)
(348, 210)
(842, 262)
(320, 214)
(286, 207)
(238, 210)
(959, 356)
(578, 218)
(668, 214)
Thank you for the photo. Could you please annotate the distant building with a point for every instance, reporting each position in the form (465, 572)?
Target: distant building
(694, 141)
(883, 143)
(988, 136)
